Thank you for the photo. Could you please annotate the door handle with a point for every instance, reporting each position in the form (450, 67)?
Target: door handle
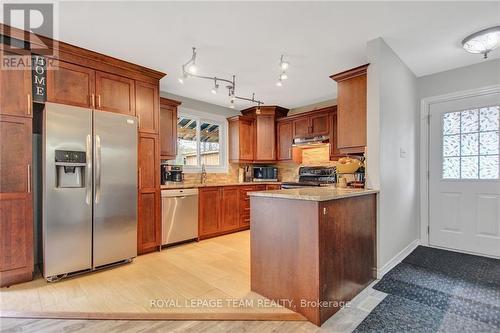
(92, 100)
(88, 174)
(99, 101)
(97, 168)
(140, 176)
(29, 179)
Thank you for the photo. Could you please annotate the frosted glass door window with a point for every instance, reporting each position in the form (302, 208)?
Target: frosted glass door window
(471, 144)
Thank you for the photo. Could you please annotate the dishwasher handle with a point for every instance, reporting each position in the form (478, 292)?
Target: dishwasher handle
(180, 193)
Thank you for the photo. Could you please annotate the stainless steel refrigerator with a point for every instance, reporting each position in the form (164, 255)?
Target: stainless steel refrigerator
(89, 189)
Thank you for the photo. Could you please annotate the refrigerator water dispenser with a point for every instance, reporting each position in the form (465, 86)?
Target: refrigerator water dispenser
(70, 169)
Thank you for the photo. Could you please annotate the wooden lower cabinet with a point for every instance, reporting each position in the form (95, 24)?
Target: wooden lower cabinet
(229, 215)
(16, 218)
(209, 211)
(225, 209)
(149, 225)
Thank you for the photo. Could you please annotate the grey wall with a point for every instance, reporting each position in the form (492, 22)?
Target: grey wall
(392, 149)
(197, 105)
(480, 75)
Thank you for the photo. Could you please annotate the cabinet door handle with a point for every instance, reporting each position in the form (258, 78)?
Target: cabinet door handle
(92, 100)
(29, 178)
(98, 101)
(139, 120)
(140, 176)
(30, 104)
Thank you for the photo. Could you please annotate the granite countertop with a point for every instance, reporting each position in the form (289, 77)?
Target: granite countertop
(313, 193)
(174, 185)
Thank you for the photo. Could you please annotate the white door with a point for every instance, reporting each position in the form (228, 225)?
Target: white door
(464, 184)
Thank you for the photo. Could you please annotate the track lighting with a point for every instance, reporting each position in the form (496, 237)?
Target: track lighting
(283, 63)
(284, 66)
(190, 70)
(214, 89)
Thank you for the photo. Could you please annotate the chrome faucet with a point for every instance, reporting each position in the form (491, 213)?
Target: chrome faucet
(203, 174)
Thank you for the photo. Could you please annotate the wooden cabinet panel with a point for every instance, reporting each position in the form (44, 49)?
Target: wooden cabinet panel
(209, 210)
(271, 187)
(301, 127)
(168, 128)
(285, 140)
(147, 106)
(149, 162)
(149, 222)
(15, 154)
(241, 139)
(114, 93)
(16, 221)
(265, 138)
(230, 207)
(71, 84)
(351, 111)
(15, 90)
(320, 124)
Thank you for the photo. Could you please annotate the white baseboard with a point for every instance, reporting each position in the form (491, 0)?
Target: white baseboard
(397, 258)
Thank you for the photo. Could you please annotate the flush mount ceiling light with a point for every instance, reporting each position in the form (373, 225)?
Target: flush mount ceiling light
(189, 70)
(483, 41)
(284, 67)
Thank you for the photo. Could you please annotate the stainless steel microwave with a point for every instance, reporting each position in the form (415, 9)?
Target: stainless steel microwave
(265, 173)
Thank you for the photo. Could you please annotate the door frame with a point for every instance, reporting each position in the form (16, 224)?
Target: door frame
(425, 105)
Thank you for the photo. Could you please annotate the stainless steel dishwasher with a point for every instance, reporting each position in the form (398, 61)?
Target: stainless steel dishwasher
(179, 215)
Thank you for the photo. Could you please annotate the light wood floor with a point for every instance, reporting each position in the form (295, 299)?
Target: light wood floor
(344, 321)
(214, 270)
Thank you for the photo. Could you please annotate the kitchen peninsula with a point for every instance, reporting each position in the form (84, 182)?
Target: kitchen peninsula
(313, 248)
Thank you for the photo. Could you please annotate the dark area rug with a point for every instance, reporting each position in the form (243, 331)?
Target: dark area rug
(435, 290)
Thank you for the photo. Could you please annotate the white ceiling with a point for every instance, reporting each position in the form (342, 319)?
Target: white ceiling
(247, 39)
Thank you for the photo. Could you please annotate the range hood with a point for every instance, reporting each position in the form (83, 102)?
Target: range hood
(310, 141)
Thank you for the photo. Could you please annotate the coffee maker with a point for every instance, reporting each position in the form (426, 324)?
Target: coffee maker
(171, 173)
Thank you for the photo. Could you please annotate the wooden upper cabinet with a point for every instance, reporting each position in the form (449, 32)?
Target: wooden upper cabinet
(230, 201)
(351, 109)
(149, 162)
(265, 138)
(15, 90)
(16, 217)
(209, 210)
(320, 124)
(168, 128)
(285, 140)
(71, 84)
(115, 93)
(308, 125)
(241, 139)
(147, 106)
(301, 127)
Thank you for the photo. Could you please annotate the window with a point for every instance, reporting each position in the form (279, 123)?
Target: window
(200, 141)
(471, 144)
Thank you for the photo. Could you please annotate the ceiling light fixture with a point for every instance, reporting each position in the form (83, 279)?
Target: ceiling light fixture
(284, 66)
(483, 41)
(214, 89)
(190, 70)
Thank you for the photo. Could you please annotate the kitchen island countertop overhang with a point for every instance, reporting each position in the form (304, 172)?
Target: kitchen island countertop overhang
(314, 193)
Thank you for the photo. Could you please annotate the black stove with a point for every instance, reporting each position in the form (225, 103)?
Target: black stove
(313, 176)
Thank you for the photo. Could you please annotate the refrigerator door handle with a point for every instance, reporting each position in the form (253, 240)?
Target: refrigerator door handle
(88, 174)
(97, 168)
